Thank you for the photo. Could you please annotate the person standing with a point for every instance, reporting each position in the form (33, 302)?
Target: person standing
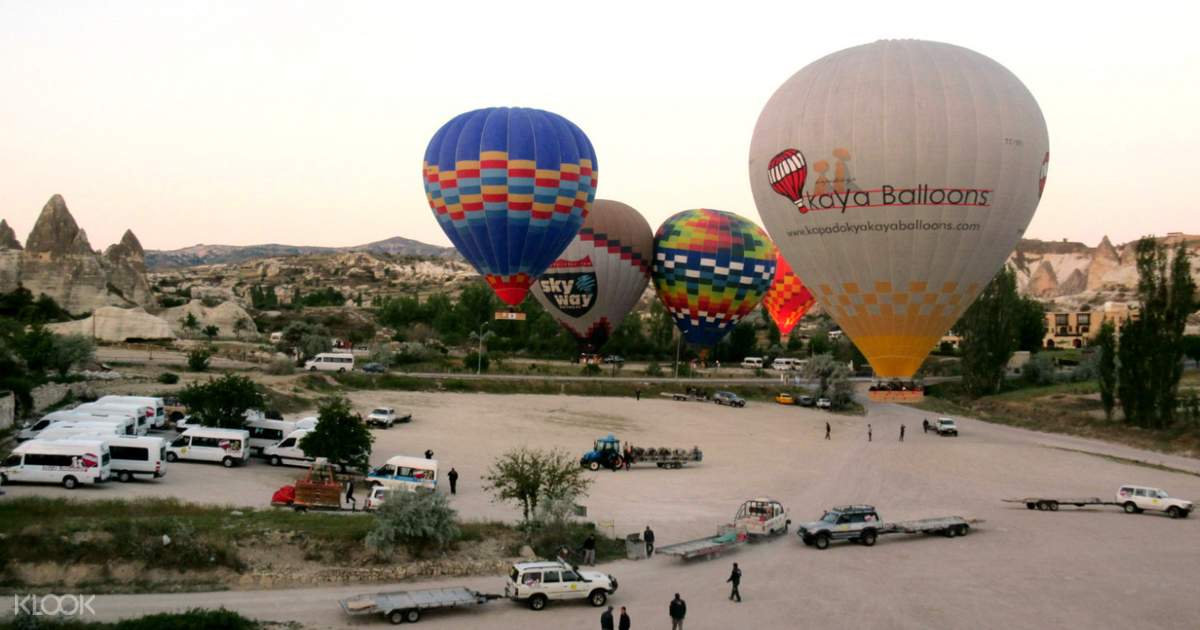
(428, 453)
(735, 577)
(453, 477)
(925, 425)
(589, 550)
(350, 495)
(624, 623)
(678, 610)
(826, 430)
(606, 619)
(648, 536)
(902, 433)
(628, 456)
(868, 433)
(637, 394)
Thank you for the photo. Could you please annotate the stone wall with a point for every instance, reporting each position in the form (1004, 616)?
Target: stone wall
(8, 404)
(51, 393)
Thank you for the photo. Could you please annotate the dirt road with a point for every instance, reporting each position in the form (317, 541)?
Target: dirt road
(1019, 569)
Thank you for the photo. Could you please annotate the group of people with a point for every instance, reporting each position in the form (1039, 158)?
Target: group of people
(677, 609)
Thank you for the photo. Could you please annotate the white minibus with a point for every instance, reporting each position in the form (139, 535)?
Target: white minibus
(160, 415)
(408, 473)
(143, 413)
(331, 362)
(127, 423)
(66, 462)
(264, 433)
(288, 451)
(228, 446)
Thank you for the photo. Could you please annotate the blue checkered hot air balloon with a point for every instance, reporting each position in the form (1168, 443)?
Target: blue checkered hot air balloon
(510, 186)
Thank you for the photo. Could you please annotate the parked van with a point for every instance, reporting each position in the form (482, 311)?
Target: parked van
(228, 446)
(308, 424)
(785, 363)
(287, 451)
(127, 423)
(160, 416)
(144, 414)
(408, 473)
(331, 362)
(65, 430)
(752, 363)
(138, 455)
(264, 433)
(67, 462)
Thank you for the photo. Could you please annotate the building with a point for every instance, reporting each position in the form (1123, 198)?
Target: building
(1076, 329)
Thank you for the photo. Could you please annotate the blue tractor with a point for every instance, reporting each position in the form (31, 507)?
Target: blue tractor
(607, 454)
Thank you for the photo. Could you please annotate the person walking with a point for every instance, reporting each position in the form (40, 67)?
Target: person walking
(902, 433)
(925, 425)
(589, 550)
(453, 477)
(624, 623)
(350, 495)
(826, 430)
(678, 610)
(868, 433)
(736, 578)
(648, 536)
(637, 394)
(606, 619)
(628, 456)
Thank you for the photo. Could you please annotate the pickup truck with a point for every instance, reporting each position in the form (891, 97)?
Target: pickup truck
(861, 523)
(386, 417)
(946, 426)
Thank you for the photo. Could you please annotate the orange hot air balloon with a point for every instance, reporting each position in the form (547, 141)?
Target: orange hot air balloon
(788, 299)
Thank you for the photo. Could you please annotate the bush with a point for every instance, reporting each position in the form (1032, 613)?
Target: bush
(654, 369)
(198, 359)
(591, 369)
(418, 521)
(1040, 370)
(168, 378)
(473, 362)
(222, 402)
(340, 436)
(280, 367)
(194, 619)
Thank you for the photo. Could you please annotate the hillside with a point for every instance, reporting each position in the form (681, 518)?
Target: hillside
(202, 254)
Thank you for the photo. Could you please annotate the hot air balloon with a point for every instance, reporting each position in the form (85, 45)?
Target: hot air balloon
(788, 299)
(925, 163)
(710, 269)
(601, 274)
(510, 187)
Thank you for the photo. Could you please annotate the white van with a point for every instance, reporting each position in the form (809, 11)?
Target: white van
(138, 455)
(67, 430)
(785, 363)
(264, 433)
(127, 423)
(287, 451)
(160, 415)
(68, 462)
(331, 362)
(407, 473)
(228, 446)
(752, 363)
(144, 414)
(307, 424)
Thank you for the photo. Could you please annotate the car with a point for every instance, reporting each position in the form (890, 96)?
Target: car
(614, 359)
(373, 368)
(1136, 499)
(806, 401)
(946, 426)
(785, 398)
(824, 403)
(539, 582)
(386, 417)
(847, 522)
(376, 497)
(729, 398)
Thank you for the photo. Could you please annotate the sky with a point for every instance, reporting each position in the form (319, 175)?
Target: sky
(305, 123)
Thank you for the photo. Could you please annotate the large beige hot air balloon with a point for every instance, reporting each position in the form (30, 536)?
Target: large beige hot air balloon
(896, 177)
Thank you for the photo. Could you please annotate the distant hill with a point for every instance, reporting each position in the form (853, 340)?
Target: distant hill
(224, 254)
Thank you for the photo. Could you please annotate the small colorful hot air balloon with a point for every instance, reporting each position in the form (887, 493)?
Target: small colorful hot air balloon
(786, 173)
(510, 187)
(710, 269)
(601, 275)
(788, 299)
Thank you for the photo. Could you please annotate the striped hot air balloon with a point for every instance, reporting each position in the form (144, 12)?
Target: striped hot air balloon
(788, 299)
(510, 187)
(710, 269)
(787, 172)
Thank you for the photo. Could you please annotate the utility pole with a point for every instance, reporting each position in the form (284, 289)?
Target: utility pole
(678, 342)
(479, 352)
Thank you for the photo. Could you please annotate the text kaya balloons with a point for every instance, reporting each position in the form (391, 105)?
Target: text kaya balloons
(788, 299)
(601, 275)
(510, 187)
(896, 177)
(710, 269)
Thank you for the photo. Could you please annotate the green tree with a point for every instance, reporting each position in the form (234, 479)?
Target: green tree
(1191, 348)
(198, 358)
(240, 326)
(527, 476)
(190, 323)
(662, 330)
(210, 331)
(222, 402)
(1106, 341)
(989, 335)
(418, 521)
(307, 339)
(340, 436)
(1030, 316)
(824, 369)
(70, 350)
(819, 343)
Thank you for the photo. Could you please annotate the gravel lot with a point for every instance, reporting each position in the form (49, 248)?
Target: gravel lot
(1019, 569)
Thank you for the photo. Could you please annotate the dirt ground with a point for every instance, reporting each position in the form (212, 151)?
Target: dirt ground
(1018, 569)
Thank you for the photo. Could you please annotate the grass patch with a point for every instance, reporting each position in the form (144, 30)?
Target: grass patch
(194, 619)
(1126, 460)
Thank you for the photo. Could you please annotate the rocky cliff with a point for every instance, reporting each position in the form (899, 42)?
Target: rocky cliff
(233, 254)
(59, 261)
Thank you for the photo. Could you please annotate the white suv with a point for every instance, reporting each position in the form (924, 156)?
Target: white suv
(386, 417)
(541, 581)
(1138, 498)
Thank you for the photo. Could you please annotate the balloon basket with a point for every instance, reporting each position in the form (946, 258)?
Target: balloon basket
(896, 396)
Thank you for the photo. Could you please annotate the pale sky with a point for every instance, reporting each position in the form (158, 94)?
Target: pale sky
(305, 123)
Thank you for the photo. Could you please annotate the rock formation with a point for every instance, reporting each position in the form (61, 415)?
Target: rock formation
(1105, 260)
(225, 316)
(8, 238)
(1075, 283)
(1044, 282)
(126, 263)
(109, 323)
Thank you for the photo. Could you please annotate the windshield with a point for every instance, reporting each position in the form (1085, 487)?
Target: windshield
(382, 412)
(830, 517)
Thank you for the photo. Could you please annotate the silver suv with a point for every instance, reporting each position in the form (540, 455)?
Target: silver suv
(729, 398)
(541, 581)
(847, 522)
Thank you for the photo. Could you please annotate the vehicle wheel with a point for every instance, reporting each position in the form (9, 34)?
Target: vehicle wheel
(963, 529)
(312, 369)
(821, 541)
(227, 462)
(1052, 506)
(341, 370)
(593, 465)
(275, 461)
(537, 602)
(3, 480)
(69, 482)
(172, 457)
(1173, 512)
(1030, 505)
(396, 617)
(124, 476)
(1130, 507)
(868, 538)
(299, 508)
(948, 532)
(619, 463)
(598, 598)
(412, 616)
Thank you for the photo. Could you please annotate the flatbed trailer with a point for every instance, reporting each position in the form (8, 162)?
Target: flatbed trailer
(408, 606)
(861, 523)
(727, 538)
(685, 396)
(1052, 503)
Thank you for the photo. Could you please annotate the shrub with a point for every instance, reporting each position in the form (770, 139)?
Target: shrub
(340, 436)
(198, 358)
(1040, 370)
(591, 369)
(473, 361)
(280, 367)
(418, 521)
(168, 378)
(222, 402)
(654, 369)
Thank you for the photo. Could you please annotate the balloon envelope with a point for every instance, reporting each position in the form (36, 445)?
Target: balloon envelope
(896, 177)
(601, 275)
(710, 269)
(510, 187)
(788, 299)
